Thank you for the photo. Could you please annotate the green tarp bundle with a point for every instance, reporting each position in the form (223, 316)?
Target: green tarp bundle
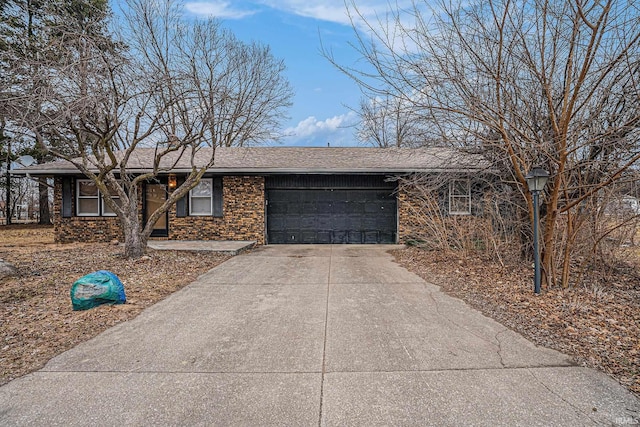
(94, 289)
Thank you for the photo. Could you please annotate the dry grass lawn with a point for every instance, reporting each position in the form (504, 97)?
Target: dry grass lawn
(36, 318)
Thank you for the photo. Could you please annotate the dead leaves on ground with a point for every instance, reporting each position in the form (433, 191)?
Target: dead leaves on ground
(597, 324)
(36, 318)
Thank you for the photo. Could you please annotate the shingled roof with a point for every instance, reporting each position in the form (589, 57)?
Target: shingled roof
(297, 160)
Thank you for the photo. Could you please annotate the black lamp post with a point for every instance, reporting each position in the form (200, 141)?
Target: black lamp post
(536, 180)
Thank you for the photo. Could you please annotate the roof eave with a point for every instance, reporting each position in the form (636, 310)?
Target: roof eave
(270, 171)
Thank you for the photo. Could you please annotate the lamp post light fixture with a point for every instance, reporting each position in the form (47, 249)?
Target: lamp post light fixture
(536, 180)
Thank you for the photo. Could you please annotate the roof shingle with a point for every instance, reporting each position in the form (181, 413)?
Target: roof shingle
(303, 160)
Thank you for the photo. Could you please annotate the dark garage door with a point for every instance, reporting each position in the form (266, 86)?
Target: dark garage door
(331, 215)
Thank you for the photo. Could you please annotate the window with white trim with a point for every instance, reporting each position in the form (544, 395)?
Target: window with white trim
(89, 200)
(460, 197)
(106, 210)
(201, 198)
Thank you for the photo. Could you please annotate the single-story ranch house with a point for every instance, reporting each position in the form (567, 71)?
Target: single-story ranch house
(270, 195)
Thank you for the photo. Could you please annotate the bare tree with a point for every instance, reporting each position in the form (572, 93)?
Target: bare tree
(530, 82)
(388, 121)
(167, 85)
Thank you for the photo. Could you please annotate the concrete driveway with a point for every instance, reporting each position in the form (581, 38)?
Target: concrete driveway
(307, 336)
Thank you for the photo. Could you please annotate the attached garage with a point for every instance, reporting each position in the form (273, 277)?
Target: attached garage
(331, 209)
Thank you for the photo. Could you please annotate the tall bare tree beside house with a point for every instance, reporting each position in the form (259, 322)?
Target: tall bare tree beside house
(388, 121)
(530, 82)
(168, 85)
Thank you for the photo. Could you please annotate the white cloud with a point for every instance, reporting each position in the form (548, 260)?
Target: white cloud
(331, 11)
(312, 126)
(335, 10)
(374, 12)
(218, 9)
(337, 131)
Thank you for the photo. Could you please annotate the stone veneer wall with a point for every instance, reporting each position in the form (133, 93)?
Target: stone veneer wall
(243, 217)
(242, 214)
(81, 228)
(414, 222)
(408, 223)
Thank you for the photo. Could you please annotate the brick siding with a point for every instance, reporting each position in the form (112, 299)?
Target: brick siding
(243, 217)
(81, 228)
(242, 214)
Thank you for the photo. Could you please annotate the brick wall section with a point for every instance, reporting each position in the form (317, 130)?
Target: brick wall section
(81, 229)
(415, 222)
(243, 214)
(408, 224)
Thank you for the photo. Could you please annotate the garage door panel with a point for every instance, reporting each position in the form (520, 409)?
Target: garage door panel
(323, 237)
(294, 208)
(324, 222)
(372, 208)
(276, 222)
(385, 237)
(369, 223)
(277, 237)
(339, 208)
(310, 207)
(355, 208)
(339, 236)
(292, 222)
(371, 237)
(277, 209)
(324, 207)
(308, 222)
(309, 236)
(355, 236)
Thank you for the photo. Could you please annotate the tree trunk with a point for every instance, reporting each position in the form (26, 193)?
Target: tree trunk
(135, 242)
(43, 201)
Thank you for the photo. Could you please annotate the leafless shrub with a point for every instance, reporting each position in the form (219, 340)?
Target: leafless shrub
(529, 83)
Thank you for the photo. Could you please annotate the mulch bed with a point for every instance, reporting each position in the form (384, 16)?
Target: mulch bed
(598, 325)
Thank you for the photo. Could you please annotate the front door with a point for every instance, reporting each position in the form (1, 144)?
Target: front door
(155, 196)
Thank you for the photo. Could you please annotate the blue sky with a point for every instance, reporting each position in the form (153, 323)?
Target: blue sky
(295, 30)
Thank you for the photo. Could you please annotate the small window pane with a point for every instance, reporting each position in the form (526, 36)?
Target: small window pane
(113, 193)
(460, 188)
(200, 206)
(203, 189)
(87, 189)
(106, 210)
(459, 205)
(88, 206)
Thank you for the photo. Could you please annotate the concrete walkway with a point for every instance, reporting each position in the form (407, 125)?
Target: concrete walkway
(308, 336)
